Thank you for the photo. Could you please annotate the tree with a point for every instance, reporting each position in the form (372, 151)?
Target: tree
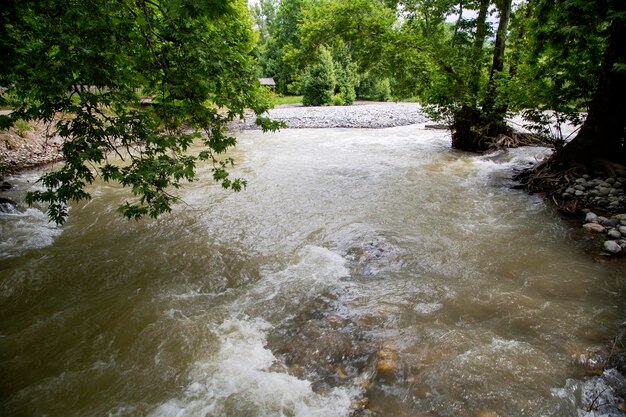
(319, 81)
(603, 134)
(79, 66)
(283, 38)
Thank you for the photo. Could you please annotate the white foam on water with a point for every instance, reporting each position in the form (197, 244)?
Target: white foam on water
(507, 161)
(315, 268)
(427, 308)
(238, 381)
(25, 230)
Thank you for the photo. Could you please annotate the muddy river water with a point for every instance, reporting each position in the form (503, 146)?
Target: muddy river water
(362, 272)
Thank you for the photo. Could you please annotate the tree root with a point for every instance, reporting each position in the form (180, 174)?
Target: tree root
(513, 139)
(548, 177)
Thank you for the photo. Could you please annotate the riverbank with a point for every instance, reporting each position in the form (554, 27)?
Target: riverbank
(30, 146)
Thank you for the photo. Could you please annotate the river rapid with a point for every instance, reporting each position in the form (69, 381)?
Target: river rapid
(362, 272)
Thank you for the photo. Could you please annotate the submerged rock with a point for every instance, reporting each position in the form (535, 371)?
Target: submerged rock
(388, 362)
(372, 257)
(5, 186)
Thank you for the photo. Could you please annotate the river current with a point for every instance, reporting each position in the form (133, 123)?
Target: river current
(362, 272)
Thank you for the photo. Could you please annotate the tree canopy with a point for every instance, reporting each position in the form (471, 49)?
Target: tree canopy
(474, 61)
(88, 67)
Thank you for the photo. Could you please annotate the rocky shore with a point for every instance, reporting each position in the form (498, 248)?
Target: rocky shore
(601, 200)
(28, 147)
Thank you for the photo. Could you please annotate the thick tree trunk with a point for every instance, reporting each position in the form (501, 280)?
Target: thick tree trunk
(603, 135)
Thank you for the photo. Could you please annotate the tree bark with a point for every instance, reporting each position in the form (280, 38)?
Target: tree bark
(489, 104)
(477, 51)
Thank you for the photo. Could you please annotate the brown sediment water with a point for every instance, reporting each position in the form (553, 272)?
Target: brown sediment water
(363, 272)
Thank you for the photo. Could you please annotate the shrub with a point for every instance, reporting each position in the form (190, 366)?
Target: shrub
(319, 81)
(21, 128)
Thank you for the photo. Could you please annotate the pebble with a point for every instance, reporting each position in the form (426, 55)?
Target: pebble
(591, 218)
(610, 223)
(615, 231)
(594, 227)
(612, 246)
(614, 234)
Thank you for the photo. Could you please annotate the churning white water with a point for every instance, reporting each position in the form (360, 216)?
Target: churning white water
(362, 272)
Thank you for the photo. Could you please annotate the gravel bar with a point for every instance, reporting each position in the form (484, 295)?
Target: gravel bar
(370, 115)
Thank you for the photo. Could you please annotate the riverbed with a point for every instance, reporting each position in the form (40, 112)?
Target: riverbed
(362, 272)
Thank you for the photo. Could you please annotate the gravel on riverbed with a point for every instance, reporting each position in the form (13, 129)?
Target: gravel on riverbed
(360, 115)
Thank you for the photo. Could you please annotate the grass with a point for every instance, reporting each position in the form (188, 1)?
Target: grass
(278, 100)
(22, 127)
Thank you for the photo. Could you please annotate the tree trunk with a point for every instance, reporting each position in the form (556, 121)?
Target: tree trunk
(477, 51)
(475, 128)
(493, 111)
(464, 135)
(603, 135)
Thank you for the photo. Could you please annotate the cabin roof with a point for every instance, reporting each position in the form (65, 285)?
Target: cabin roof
(267, 81)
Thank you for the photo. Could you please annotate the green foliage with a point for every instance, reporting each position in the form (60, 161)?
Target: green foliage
(275, 58)
(319, 81)
(346, 75)
(374, 88)
(77, 65)
(555, 83)
(21, 127)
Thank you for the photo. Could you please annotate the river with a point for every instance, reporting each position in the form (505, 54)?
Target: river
(364, 272)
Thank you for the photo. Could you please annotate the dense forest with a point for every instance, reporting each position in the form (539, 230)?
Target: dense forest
(469, 62)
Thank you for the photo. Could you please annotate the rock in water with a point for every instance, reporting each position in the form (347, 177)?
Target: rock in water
(591, 218)
(612, 246)
(5, 186)
(594, 227)
(7, 205)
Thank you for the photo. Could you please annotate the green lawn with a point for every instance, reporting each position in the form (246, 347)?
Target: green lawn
(287, 100)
